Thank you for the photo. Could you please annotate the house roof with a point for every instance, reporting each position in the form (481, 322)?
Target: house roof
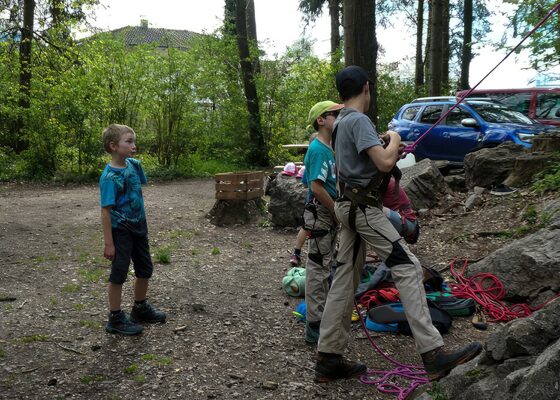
(137, 35)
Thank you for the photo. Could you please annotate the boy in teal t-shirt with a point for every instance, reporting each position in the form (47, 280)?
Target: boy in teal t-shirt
(318, 216)
(125, 231)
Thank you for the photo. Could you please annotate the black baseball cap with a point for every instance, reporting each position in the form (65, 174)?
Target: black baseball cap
(350, 80)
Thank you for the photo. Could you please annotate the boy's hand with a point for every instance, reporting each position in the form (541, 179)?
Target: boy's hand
(109, 252)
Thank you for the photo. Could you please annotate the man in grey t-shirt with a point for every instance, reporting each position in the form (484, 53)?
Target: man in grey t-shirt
(362, 159)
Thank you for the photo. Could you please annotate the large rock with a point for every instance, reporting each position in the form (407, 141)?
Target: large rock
(287, 199)
(424, 184)
(525, 266)
(521, 361)
(490, 166)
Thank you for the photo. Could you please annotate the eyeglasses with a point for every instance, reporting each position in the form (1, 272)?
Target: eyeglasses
(333, 113)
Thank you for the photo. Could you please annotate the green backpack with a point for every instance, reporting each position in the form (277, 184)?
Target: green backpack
(294, 282)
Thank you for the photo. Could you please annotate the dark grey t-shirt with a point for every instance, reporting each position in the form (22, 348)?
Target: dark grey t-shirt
(355, 134)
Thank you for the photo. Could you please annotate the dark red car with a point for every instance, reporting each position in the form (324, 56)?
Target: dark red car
(539, 103)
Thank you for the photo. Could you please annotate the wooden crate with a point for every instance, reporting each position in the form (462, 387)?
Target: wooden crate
(243, 185)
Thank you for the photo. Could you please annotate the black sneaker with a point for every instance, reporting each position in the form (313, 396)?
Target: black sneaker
(145, 312)
(439, 362)
(119, 323)
(502, 190)
(333, 366)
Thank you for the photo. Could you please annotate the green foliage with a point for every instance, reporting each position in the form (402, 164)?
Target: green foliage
(215, 251)
(543, 44)
(2, 353)
(163, 255)
(549, 178)
(436, 392)
(91, 274)
(34, 338)
(70, 288)
(88, 323)
(131, 369)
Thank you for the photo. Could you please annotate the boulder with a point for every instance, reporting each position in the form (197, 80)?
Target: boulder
(521, 361)
(424, 184)
(525, 266)
(490, 166)
(236, 212)
(287, 199)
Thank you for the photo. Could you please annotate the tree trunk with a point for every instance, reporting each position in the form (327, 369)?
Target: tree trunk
(445, 47)
(419, 70)
(360, 43)
(334, 13)
(258, 154)
(25, 51)
(467, 44)
(435, 48)
(427, 52)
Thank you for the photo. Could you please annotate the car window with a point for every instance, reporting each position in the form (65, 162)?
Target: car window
(516, 101)
(548, 105)
(456, 115)
(499, 114)
(431, 114)
(410, 113)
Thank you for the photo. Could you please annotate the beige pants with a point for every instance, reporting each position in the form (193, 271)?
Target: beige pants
(374, 228)
(319, 260)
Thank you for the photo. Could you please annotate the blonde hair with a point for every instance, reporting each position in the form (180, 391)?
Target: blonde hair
(113, 133)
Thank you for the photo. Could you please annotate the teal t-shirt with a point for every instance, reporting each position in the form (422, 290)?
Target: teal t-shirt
(319, 165)
(121, 188)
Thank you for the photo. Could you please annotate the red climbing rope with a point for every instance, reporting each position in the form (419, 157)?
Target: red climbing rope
(488, 291)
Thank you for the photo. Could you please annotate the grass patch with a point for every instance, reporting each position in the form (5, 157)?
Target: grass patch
(70, 288)
(2, 353)
(89, 323)
(34, 338)
(39, 259)
(265, 223)
(160, 361)
(162, 255)
(195, 252)
(180, 233)
(436, 392)
(549, 178)
(476, 373)
(215, 251)
(53, 301)
(140, 378)
(131, 369)
(91, 274)
(79, 307)
(83, 257)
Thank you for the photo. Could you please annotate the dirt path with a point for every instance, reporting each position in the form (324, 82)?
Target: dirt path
(230, 333)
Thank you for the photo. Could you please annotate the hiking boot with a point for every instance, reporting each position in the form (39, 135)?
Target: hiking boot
(333, 366)
(311, 335)
(145, 312)
(439, 362)
(119, 323)
(295, 260)
(502, 190)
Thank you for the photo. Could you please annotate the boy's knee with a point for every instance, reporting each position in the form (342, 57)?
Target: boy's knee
(117, 277)
(398, 256)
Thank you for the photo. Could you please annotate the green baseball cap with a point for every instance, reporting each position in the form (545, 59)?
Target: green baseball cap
(322, 107)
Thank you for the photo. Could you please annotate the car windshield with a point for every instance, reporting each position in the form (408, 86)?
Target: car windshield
(499, 114)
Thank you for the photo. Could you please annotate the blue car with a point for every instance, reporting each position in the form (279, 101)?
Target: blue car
(474, 124)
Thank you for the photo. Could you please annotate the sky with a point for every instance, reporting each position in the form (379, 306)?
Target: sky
(279, 25)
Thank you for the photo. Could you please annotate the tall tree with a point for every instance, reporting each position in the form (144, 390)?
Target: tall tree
(419, 64)
(258, 154)
(436, 48)
(427, 50)
(25, 51)
(445, 50)
(312, 9)
(466, 55)
(360, 43)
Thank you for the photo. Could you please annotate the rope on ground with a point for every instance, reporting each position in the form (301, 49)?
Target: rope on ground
(488, 291)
